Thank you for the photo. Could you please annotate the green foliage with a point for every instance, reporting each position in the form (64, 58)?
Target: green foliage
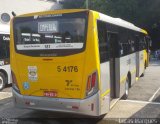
(74, 4)
(143, 13)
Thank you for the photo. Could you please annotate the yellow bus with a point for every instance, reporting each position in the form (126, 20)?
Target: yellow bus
(76, 61)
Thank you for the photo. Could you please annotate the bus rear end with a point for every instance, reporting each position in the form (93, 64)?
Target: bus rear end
(54, 62)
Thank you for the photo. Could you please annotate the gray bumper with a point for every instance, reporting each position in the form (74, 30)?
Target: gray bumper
(89, 106)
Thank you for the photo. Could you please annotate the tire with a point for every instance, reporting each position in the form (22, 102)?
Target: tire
(125, 96)
(2, 81)
(142, 75)
(145, 67)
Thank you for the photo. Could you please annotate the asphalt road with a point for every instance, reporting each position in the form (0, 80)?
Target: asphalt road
(143, 102)
(146, 86)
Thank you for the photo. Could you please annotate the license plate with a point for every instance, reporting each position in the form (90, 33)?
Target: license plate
(50, 93)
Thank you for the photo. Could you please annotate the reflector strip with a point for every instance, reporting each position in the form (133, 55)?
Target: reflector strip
(105, 93)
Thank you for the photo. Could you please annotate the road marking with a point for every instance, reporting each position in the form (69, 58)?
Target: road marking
(9, 103)
(154, 95)
(113, 102)
(6, 92)
(142, 102)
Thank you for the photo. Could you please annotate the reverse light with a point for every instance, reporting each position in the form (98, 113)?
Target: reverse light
(89, 84)
(92, 84)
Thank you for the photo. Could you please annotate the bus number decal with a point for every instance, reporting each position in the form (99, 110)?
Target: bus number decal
(47, 46)
(67, 68)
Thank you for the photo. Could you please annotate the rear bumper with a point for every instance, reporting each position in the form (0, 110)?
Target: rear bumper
(89, 106)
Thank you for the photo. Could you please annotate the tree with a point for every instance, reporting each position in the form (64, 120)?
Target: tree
(73, 4)
(142, 13)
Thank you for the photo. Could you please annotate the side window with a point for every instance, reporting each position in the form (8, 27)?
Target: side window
(123, 42)
(4, 46)
(142, 42)
(112, 38)
(131, 41)
(137, 42)
(148, 42)
(145, 42)
(103, 44)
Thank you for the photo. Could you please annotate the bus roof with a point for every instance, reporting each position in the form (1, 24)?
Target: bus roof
(103, 17)
(4, 28)
(120, 22)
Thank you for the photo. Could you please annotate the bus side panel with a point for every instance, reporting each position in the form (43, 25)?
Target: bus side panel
(105, 76)
(141, 62)
(137, 64)
(145, 59)
(133, 68)
(124, 68)
(105, 87)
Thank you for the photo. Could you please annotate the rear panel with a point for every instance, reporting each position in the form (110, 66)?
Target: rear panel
(54, 53)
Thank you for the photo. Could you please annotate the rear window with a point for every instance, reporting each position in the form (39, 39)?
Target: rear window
(51, 35)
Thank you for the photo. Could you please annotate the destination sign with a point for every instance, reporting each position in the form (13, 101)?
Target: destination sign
(48, 27)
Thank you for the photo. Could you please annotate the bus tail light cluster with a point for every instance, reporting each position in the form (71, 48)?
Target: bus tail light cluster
(14, 82)
(92, 84)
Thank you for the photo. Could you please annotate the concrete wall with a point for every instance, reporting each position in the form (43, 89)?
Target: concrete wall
(26, 6)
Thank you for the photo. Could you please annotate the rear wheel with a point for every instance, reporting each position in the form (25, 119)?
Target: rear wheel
(142, 75)
(145, 65)
(2, 81)
(125, 96)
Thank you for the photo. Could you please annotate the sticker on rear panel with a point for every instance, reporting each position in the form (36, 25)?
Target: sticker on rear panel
(32, 73)
(26, 85)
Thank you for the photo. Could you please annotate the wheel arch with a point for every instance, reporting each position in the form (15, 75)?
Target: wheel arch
(5, 74)
(129, 77)
(145, 64)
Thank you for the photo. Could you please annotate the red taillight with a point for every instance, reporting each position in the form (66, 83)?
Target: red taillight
(93, 79)
(91, 83)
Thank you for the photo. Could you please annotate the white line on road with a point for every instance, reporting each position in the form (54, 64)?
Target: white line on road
(142, 102)
(9, 103)
(4, 95)
(154, 95)
(6, 92)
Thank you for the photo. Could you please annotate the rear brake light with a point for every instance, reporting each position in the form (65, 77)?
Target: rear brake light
(93, 79)
(92, 84)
